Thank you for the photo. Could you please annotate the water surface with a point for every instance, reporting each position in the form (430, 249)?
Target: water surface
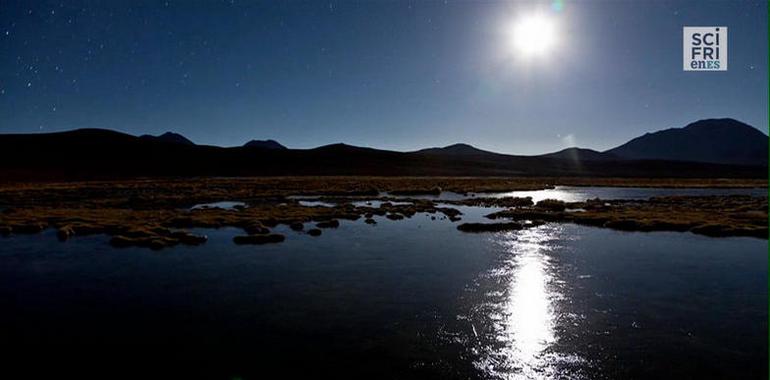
(582, 193)
(579, 194)
(404, 299)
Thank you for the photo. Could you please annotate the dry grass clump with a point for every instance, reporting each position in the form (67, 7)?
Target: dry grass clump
(160, 228)
(436, 190)
(551, 205)
(328, 224)
(494, 202)
(706, 215)
(157, 238)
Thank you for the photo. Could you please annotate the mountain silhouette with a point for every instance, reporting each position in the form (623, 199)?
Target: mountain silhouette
(581, 154)
(459, 149)
(169, 137)
(725, 141)
(264, 144)
(733, 150)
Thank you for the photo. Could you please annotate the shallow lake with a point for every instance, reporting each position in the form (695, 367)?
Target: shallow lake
(580, 193)
(405, 299)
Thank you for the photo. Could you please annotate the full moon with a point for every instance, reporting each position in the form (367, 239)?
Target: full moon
(533, 35)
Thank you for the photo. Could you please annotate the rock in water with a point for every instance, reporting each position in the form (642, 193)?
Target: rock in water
(259, 239)
(334, 223)
(187, 238)
(65, 232)
(489, 227)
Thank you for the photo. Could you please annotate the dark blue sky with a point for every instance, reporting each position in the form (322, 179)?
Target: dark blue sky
(395, 75)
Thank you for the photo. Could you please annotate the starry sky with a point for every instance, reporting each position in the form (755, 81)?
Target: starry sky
(400, 75)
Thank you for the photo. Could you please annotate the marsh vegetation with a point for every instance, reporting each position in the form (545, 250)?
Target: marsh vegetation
(160, 213)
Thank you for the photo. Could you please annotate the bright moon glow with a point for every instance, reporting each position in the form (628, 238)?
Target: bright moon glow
(534, 35)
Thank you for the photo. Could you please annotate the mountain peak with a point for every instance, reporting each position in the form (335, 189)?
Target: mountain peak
(264, 144)
(727, 141)
(169, 137)
(725, 124)
(580, 154)
(458, 149)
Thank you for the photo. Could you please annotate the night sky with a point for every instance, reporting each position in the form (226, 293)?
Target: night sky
(393, 75)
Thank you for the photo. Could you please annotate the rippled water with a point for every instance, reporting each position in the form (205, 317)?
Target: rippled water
(565, 301)
(404, 299)
(520, 313)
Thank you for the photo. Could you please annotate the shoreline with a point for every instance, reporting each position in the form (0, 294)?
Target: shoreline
(158, 213)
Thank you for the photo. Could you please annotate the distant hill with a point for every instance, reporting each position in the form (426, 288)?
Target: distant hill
(581, 154)
(104, 154)
(264, 144)
(169, 137)
(725, 141)
(455, 150)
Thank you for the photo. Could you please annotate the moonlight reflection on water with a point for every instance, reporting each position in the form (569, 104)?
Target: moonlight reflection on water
(529, 322)
(521, 315)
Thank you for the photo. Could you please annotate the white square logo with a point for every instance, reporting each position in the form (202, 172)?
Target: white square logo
(705, 48)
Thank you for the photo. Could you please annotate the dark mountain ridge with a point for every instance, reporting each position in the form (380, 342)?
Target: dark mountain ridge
(725, 141)
(459, 149)
(169, 137)
(99, 153)
(264, 144)
(581, 154)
